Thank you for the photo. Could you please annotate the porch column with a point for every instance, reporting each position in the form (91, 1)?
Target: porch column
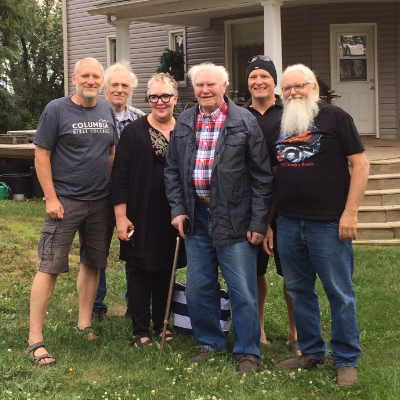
(122, 36)
(273, 35)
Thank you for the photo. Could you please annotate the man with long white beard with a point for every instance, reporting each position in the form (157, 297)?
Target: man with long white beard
(317, 209)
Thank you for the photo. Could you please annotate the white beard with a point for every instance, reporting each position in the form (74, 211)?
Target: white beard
(298, 114)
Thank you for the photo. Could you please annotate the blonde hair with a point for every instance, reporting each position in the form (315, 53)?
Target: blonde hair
(123, 66)
(163, 78)
(308, 74)
(207, 65)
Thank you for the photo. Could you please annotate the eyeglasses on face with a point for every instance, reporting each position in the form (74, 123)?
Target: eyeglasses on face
(261, 57)
(165, 98)
(300, 86)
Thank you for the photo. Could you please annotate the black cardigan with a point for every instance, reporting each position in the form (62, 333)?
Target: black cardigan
(131, 181)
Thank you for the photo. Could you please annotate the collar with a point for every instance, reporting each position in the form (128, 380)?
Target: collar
(215, 114)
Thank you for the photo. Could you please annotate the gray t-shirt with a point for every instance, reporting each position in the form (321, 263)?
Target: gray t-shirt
(79, 139)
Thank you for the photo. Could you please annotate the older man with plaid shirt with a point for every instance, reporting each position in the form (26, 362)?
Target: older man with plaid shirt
(218, 176)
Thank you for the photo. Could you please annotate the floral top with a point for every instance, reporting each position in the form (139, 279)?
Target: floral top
(159, 142)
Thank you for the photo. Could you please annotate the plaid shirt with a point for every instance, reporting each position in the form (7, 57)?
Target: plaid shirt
(131, 113)
(207, 131)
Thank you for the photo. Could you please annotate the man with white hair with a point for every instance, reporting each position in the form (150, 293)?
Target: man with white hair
(119, 83)
(317, 206)
(75, 146)
(218, 176)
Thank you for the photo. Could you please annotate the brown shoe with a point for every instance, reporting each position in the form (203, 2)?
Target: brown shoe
(301, 362)
(345, 376)
(204, 353)
(247, 364)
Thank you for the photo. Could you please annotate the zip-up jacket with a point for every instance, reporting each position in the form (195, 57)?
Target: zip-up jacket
(241, 179)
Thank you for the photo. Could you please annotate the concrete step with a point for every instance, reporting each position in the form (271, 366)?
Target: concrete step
(386, 197)
(382, 182)
(382, 167)
(374, 214)
(378, 231)
(389, 242)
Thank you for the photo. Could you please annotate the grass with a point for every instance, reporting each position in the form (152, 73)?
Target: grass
(109, 368)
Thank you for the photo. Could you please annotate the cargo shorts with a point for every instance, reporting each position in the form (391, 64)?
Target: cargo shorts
(91, 219)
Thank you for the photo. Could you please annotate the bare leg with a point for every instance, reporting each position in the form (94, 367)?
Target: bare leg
(88, 282)
(42, 289)
(262, 286)
(292, 325)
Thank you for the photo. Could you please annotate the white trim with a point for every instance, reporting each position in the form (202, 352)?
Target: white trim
(65, 45)
(228, 40)
(333, 57)
(171, 46)
(108, 49)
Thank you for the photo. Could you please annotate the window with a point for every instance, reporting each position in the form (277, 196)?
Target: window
(177, 41)
(111, 49)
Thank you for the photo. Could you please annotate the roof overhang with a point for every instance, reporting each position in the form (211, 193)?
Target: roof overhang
(193, 12)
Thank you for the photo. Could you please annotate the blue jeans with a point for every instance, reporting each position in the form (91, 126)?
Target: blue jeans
(102, 289)
(238, 265)
(308, 248)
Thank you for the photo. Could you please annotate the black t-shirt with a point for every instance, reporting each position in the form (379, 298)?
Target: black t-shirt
(313, 175)
(269, 123)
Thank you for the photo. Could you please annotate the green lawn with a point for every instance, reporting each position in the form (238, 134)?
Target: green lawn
(109, 368)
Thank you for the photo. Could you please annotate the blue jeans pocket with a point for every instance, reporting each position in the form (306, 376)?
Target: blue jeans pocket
(334, 222)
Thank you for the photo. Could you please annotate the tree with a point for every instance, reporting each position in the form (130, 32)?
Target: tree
(35, 76)
(14, 16)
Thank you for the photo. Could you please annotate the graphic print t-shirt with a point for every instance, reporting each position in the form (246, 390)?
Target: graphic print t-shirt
(79, 139)
(313, 176)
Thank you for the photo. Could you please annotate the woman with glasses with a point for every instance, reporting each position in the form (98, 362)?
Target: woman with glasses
(140, 203)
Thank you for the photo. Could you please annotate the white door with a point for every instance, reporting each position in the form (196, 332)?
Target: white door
(353, 73)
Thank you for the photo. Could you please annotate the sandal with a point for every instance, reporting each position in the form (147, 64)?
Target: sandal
(293, 347)
(30, 350)
(136, 341)
(169, 337)
(87, 332)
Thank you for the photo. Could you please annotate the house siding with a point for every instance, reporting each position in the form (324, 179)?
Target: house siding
(305, 39)
(315, 20)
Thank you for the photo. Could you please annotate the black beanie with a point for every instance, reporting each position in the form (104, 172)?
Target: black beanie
(260, 64)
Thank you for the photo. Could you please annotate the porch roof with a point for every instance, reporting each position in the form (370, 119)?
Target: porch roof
(193, 12)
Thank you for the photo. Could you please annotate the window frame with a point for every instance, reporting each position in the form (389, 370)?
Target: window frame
(172, 33)
(110, 59)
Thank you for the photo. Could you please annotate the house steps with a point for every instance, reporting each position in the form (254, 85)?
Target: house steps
(379, 213)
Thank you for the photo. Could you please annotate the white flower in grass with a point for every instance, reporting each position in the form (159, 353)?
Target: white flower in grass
(241, 382)
(153, 392)
(263, 391)
(9, 350)
(310, 382)
(299, 370)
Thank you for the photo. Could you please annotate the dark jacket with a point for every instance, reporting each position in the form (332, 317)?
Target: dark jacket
(241, 179)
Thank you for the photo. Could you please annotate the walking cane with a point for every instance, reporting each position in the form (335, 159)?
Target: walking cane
(186, 228)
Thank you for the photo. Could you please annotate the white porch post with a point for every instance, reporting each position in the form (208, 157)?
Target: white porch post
(272, 35)
(122, 43)
(122, 36)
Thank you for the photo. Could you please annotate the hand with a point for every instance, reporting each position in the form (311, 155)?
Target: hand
(54, 209)
(123, 224)
(177, 222)
(348, 226)
(254, 237)
(268, 242)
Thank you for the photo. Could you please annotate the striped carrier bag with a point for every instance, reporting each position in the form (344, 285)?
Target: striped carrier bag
(180, 313)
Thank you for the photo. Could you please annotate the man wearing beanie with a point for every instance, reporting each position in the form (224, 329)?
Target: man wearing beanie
(267, 108)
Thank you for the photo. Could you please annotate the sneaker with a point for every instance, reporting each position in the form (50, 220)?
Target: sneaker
(204, 353)
(247, 364)
(345, 376)
(301, 362)
(99, 315)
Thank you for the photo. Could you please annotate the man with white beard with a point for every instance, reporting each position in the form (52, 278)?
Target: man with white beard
(317, 205)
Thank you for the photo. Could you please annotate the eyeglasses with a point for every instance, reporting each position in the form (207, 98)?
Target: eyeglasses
(262, 58)
(288, 89)
(165, 98)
